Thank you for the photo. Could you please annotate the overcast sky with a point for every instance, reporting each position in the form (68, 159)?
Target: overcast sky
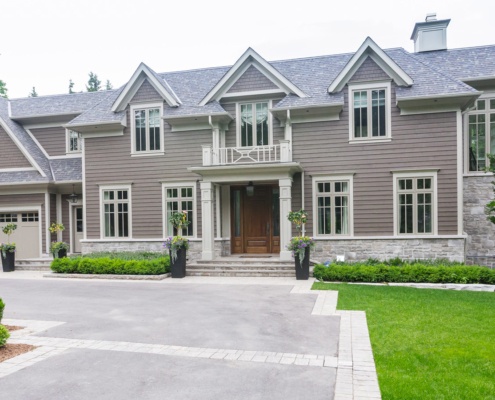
(46, 43)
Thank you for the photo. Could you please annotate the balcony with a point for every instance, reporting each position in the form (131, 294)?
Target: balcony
(247, 155)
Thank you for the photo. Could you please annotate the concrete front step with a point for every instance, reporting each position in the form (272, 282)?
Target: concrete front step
(240, 272)
(33, 264)
(240, 261)
(246, 267)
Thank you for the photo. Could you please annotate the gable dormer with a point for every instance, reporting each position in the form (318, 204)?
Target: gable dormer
(144, 73)
(251, 75)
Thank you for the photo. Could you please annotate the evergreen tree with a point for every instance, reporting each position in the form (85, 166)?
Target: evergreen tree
(33, 93)
(71, 86)
(108, 85)
(3, 89)
(94, 84)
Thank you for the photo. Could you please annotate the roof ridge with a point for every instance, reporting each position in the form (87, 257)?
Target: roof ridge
(437, 70)
(61, 94)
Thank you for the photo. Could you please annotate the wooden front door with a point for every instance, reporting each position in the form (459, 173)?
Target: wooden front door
(255, 220)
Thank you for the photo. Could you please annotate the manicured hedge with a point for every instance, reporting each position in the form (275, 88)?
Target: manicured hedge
(123, 255)
(2, 306)
(87, 265)
(417, 272)
(4, 335)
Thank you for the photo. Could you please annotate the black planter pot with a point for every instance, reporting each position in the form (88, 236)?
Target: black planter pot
(8, 262)
(62, 253)
(302, 269)
(178, 267)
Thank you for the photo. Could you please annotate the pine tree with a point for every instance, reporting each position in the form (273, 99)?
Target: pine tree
(108, 85)
(94, 84)
(3, 89)
(33, 93)
(71, 86)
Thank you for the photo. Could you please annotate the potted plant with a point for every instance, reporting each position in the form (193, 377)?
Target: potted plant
(300, 245)
(8, 249)
(178, 245)
(58, 249)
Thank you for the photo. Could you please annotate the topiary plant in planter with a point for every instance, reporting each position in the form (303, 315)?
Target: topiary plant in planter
(300, 245)
(7, 250)
(178, 245)
(58, 249)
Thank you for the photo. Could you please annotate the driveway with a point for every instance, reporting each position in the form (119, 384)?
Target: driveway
(172, 340)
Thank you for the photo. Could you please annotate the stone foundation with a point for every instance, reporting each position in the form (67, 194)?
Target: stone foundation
(480, 246)
(384, 249)
(222, 247)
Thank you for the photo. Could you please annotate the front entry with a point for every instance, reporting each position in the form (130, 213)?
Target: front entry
(77, 228)
(255, 220)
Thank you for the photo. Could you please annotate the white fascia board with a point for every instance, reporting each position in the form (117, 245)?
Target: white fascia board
(370, 48)
(134, 84)
(22, 148)
(250, 57)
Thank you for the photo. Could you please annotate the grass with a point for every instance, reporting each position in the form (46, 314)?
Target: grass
(427, 343)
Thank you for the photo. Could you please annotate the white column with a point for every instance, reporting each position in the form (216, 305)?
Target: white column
(59, 215)
(285, 225)
(216, 144)
(288, 136)
(207, 220)
(206, 155)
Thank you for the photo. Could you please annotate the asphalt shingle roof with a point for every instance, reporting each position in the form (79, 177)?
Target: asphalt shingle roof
(67, 169)
(101, 112)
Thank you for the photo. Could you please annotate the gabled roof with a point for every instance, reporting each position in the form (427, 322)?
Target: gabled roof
(159, 84)
(370, 49)
(250, 57)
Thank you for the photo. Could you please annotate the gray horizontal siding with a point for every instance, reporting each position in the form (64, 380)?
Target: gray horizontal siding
(12, 157)
(53, 140)
(252, 80)
(108, 161)
(369, 71)
(66, 218)
(418, 142)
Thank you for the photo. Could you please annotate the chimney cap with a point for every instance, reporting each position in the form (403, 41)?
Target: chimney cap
(443, 23)
(431, 17)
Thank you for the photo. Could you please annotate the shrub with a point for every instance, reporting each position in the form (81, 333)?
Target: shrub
(403, 272)
(4, 335)
(123, 255)
(2, 306)
(112, 266)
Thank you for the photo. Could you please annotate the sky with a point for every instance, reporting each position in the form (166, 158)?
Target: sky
(46, 43)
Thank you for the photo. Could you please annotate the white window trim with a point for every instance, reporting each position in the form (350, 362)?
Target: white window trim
(418, 174)
(172, 185)
(352, 87)
(143, 106)
(333, 178)
(102, 213)
(238, 121)
(67, 142)
(487, 95)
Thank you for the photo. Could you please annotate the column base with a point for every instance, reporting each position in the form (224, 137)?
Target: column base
(207, 255)
(286, 255)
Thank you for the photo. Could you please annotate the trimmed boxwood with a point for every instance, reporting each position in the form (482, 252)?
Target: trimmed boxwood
(111, 266)
(416, 272)
(4, 335)
(2, 306)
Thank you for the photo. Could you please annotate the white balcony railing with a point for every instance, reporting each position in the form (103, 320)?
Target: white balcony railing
(246, 155)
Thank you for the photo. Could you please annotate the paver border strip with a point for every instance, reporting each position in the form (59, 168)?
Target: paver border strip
(108, 276)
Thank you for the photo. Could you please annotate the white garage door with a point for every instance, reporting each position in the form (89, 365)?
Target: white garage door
(27, 235)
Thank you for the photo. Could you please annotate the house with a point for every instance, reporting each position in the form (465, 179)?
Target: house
(385, 149)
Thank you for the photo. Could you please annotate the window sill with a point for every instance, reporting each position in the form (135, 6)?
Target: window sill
(479, 173)
(148, 154)
(372, 140)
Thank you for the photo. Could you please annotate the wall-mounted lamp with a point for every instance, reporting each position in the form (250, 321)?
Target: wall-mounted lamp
(250, 189)
(73, 196)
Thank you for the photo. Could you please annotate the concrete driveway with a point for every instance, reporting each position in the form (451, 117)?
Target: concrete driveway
(172, 340)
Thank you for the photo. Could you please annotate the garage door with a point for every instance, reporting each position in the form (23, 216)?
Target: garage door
(27, 235)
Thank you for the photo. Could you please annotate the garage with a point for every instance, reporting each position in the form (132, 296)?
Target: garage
(27, 236)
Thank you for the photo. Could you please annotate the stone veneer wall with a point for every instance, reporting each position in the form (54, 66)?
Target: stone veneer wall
(480, 245)
(222, 247)
(383, 249)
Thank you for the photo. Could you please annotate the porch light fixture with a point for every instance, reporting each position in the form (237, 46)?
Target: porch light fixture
(73, 196)
(250, 189)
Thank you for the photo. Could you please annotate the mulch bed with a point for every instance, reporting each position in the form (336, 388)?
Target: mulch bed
(14, 350)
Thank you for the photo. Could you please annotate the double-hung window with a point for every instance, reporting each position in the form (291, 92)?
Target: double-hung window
(147, 129)
(481, 134)
(332, 205)
(116, 211)
(415, 202)
(74, 141)
(369, 112)
(254, 124)
(180, 198)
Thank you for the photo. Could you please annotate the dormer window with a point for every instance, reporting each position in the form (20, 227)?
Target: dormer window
(74, 141)
(254, 124)
(369, 112)
(147, 129)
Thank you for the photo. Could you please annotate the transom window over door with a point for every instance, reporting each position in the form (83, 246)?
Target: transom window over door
(481, 131)
(369, 112)
(180, 199)
(116, 212)
(254, 124)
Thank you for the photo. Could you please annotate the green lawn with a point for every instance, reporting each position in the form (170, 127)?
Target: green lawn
(427, 343)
